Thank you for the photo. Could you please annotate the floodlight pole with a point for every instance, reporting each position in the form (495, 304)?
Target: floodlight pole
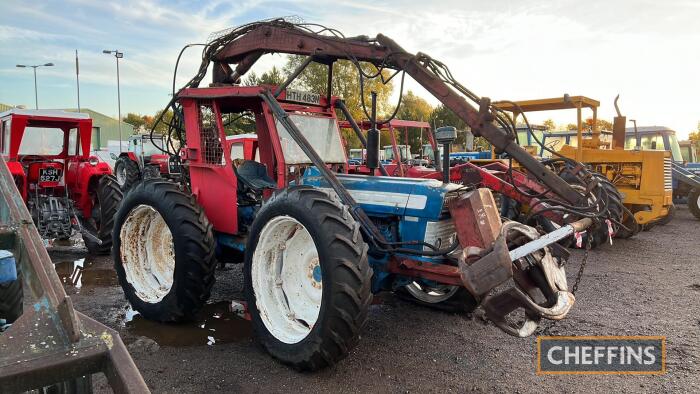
(36, 95)
(117, 56)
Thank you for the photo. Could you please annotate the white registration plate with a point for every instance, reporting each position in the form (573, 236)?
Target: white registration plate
(49, 175)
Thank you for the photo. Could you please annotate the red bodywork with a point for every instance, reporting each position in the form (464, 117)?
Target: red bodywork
(161, 160)
(493, 175)
(395, 168)
(211, 174)
(78, 175)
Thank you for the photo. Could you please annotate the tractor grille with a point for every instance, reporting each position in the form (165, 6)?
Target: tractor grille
(441, 233)
(668, 174)
(212, 150)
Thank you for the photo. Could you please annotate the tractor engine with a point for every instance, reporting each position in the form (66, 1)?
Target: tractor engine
(48, 200)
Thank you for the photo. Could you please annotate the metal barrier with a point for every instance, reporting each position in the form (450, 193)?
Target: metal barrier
(51, 342)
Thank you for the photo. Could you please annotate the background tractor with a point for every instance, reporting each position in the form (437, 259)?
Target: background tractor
(144, 158)
(66, 190)
(318, 242)
(685, 174)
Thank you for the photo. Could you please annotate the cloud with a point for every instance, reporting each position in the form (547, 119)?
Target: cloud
(645, 50)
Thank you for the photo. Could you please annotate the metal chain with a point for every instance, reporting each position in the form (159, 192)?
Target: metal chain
(579, 275)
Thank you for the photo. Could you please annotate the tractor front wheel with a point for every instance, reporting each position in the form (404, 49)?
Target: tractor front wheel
(307, 279)
(127, 172)
(105, 202)
(163, 251)
(694, 202)
(447, 298)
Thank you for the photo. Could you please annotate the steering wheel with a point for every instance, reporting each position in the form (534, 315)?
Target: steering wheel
(33, 158)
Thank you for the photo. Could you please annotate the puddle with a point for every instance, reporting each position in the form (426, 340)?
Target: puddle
(217, 323)
(84, 274)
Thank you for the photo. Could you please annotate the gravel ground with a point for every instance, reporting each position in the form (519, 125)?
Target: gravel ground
(649, 285)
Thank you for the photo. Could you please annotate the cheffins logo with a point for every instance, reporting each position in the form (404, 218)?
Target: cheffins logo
(601, 355)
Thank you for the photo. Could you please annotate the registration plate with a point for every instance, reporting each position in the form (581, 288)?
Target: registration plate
(303, 97)
(49, 174)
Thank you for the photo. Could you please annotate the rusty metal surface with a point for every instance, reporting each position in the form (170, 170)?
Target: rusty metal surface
(476, 218)
(51, 342)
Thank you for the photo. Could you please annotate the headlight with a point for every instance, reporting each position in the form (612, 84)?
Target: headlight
(93, 160)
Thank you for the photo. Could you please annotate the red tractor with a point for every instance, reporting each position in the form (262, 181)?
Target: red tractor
(66, 190)
(144, 159)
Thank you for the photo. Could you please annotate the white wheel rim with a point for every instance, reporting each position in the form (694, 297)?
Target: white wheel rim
(287, 279)
(121, 175)
(429, 294)
(147, 253)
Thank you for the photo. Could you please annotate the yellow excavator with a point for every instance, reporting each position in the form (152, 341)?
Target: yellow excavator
(642, 177)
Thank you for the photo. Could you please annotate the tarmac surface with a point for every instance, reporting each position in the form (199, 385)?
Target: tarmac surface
(648, 285)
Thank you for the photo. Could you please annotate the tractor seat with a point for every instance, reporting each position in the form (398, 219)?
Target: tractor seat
(254, 175)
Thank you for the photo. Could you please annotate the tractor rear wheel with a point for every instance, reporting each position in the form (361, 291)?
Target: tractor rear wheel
(127, 172)
(105, 202)
(163, 251)
(447, 298)
(307, 279)
(11, 298)
(694, 202)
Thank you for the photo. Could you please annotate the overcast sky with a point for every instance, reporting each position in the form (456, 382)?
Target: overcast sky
(647, 51)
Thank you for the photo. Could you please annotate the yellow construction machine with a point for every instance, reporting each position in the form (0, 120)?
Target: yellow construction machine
(642, 177)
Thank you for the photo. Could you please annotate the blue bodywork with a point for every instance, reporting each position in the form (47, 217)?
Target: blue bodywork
(402, 209)
(467, 156)
(8, 267)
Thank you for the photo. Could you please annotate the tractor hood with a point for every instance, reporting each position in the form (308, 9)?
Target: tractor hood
(380, 195)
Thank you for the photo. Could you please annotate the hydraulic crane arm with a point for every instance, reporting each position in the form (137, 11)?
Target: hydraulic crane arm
(279, 37)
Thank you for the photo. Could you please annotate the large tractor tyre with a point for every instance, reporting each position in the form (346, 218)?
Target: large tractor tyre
(127, 172)
(454, 299)
(105, 202)
(163, 252)
(633, 228)
(600, 234)
(669, 216)
(307, 279)
(12, 298)
(615, 211)
(694, 202)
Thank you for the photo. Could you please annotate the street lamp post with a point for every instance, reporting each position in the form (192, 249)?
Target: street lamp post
(36, 96)
(118, 55)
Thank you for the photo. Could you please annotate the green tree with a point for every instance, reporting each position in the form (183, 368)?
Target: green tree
(588, 125)
(549, 125)
(414, 107)
(162, 126)
(271, 77)
(346, 84)
(694, 136)
(443, 116)
(136, 120)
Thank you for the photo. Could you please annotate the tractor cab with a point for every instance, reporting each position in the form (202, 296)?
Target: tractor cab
(654, 138)
(689, 152)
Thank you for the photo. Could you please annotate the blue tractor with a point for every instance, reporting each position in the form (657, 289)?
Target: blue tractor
(686, 174)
